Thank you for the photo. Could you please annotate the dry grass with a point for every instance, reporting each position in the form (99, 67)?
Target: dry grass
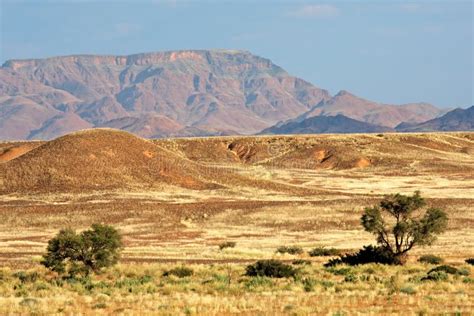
(224, 290)
(268, 192)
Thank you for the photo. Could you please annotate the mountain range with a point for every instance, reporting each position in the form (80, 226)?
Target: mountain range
(175, 93)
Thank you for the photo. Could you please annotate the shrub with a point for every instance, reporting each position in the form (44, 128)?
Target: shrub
(368, 254)
(449, 270)
(436, 276)
(470, 261)
(309, 284)
(26, 277)
(91, 250)
(301, 262)
(406, 228)
(321, 252)
(350, 278)
(292, 250)
(341, 271)
(271, 268)
(408, 290)
(227, 244)
(180, 272)
(430, 259)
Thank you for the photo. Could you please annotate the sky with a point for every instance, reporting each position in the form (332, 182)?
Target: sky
(386, 51)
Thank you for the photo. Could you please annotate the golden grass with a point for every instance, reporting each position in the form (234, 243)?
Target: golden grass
(263, 200)
(224, 290)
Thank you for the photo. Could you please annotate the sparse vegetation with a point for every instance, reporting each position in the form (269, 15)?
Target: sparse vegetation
(470, 261)
(324, 252)
(430, 259)
(292, 250)
(399, 225)
(180, 272)
(266, 202)
(301, 262)
(449, 270)
(83, 253)
(271, 269)
(368, 254)
(227, 244)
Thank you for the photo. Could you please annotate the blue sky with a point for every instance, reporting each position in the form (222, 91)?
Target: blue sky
(387, 51)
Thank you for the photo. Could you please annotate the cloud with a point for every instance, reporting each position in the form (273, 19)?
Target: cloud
(316, 11)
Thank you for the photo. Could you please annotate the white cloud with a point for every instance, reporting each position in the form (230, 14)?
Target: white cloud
(316, 11)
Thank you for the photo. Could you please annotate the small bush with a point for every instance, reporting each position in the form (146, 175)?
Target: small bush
(271, 268)
(324, 252)
(436, 276)
(180, 272)
(449, 270)
(430, 259)
(29, 302)
(258, 281)
(292, 250)
(368, 254)
(408, 290)
(350, 278)
(227, 244)
(309, 284)
(470, 261)
(301, 262)
(341, 271)
(26, 277)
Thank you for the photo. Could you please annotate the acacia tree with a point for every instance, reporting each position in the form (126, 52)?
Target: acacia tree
(88, 251)
(401, 222)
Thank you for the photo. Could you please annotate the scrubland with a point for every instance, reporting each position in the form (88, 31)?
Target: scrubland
(264, 192)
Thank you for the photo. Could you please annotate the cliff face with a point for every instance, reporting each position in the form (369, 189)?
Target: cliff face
(207, 91)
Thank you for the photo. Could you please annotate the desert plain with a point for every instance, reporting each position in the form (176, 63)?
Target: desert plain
(176, 200)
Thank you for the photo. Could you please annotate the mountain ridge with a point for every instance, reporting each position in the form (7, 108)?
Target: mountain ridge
(201, 92)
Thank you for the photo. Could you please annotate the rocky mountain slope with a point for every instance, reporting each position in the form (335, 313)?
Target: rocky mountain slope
(371, 112)
(455, 120)
(176, 93)
(325, 125)
(152, 94)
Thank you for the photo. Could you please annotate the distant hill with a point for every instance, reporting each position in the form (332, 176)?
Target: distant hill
(371, 112)
(325, 125)
(455, 120)
(206, 91)
(175, 93)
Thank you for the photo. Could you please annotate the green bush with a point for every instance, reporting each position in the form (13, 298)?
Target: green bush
(292, 250)
(26, 277)
(324, 252)
(301, 262)
(82, 253)
(308, 284)
(368, 254)
(271, 268)
(449, 270)
(470, 261)
(430, 259)
(180, 272)
(436, 276)
(227, 244)
(408, 290)
(350, 278)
